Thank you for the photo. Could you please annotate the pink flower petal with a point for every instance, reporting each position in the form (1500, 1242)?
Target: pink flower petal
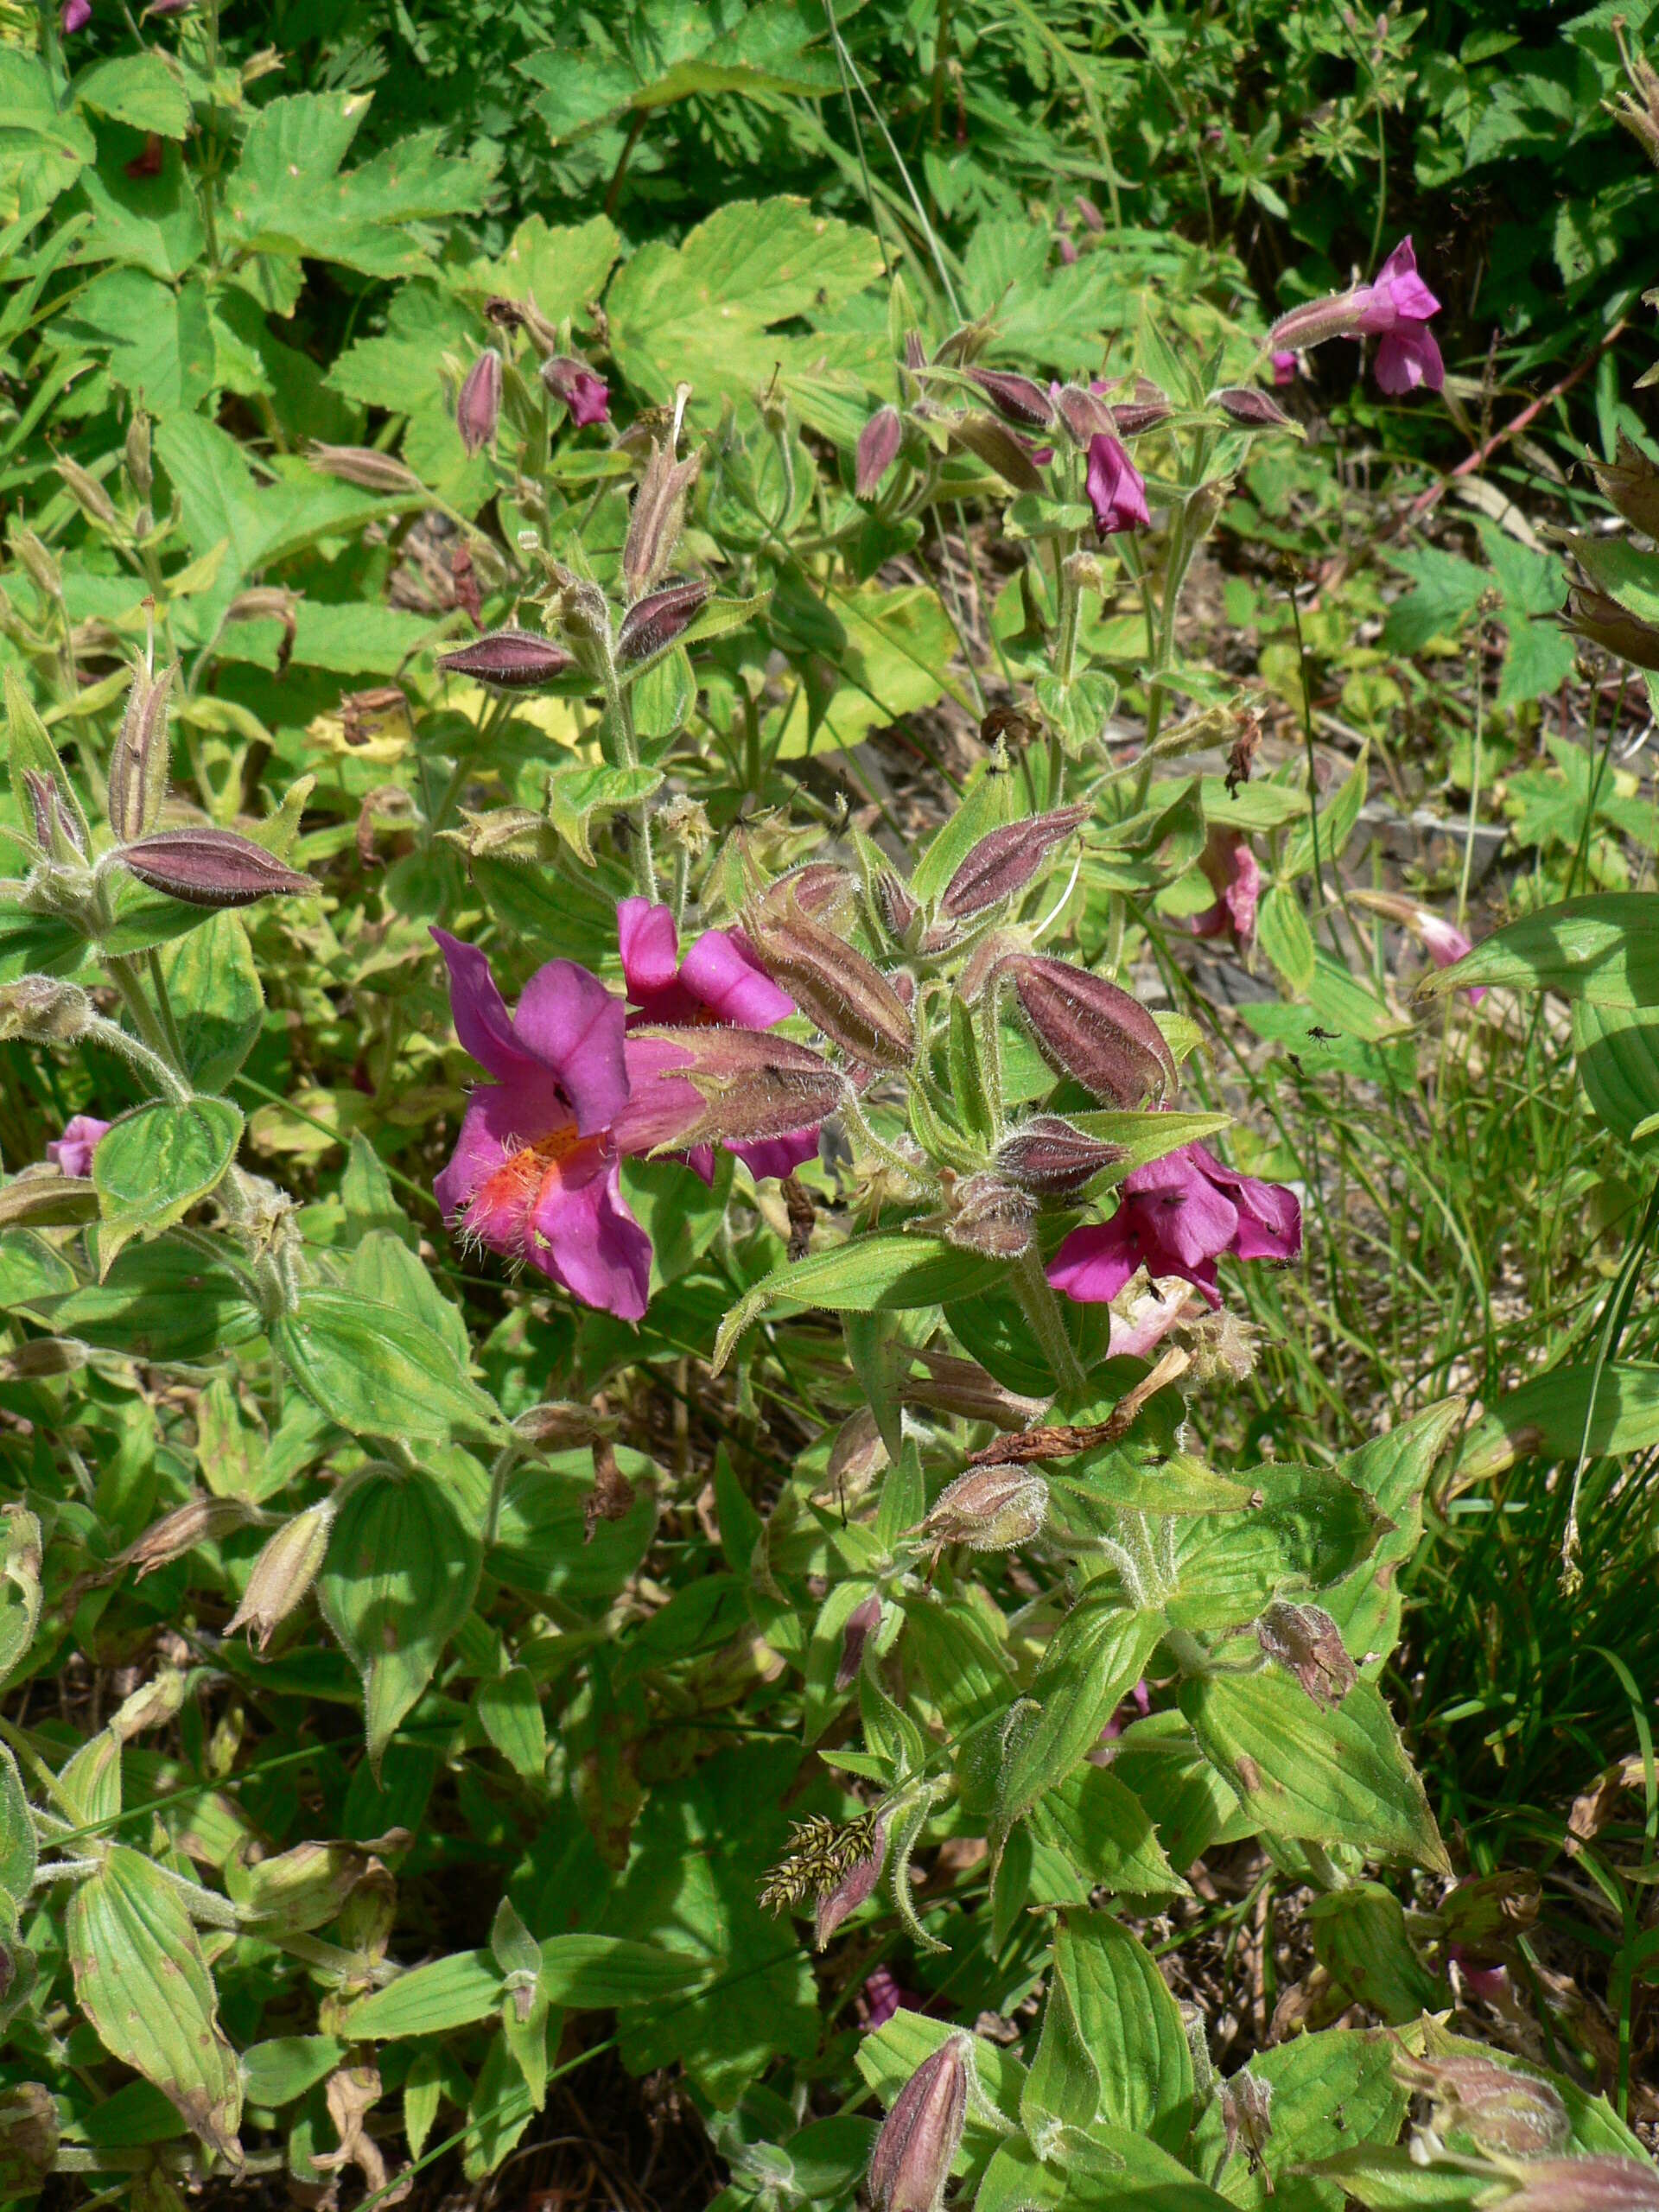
(723, 975)
(650, 946)
(583, 1237)
(1094, 1263)
(482, 1022)
(777, 1156)
(72, 1152)
(575, 1026)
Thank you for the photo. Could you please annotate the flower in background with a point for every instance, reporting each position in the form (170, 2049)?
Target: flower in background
(73, 1150)
(1235, 879)
(1068, 251)
(1286, 367)
(1178, 1216)
(1116, 489)
(1443, 941)
(77, 13)
(719, 982)
(534, 1174)
(1396, 310)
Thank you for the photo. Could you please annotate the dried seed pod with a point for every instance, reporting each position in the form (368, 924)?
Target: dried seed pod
(912, 2160)
(509, 660)
(841, 992)
(1309, 1643)
(213, 868)
(1247, 2116)
(1004, 863)
(365, 467)
(655, 621)
(1087, 1027)
(1604, 622)
(135, 453)
(44, 1009)
(1252, 410)
(899, 910)
(478, 407)
(1048, 1157)
(283, 1573)
(1630, 483)
(139, 758)
(271, 603)
(878, 448)
(990, 1216)
(88, 494)
(657, 516)
(201, 1520)
(1016, 399)
(962, 1387)
(861, 1624)
(989, 1509)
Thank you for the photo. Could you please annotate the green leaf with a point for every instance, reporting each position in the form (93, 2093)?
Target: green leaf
(1618, 1053)
(597, 1972)
(1545, 1418)
(1329, 2091)
(384, 1270)
(1281, 928)
(1098, 1652)
(896, 662)
(676, 49)
(33, 751)
(20, 1588)
(561, 267)
(217, 1001)
(137, 89)
(160, 341)
(1096, 1824)
(509, 1713)
(287, 198)
(18, 1849)
(702, 312)
(428, 2000)
(1107, 2002)
(887, 1272)
(154, 1163)
(1393, 1471)
(275, 2073)
(1448, 590)
(1602, 951)
(1190, 1804)
(1300, 1771)
(1310, 1529)
(1360, 1939)
(143, 1982)
(544, 1547)
(42, 146)
(398, 1581)
(377, 1370)
(157, 1303)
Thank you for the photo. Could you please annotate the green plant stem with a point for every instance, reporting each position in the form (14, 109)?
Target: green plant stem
(1474, 777)
(1042, 1309)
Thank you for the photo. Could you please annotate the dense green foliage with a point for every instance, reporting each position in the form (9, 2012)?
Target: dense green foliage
(499, 1577)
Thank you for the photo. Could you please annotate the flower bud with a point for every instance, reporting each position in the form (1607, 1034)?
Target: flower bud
(1016, 399)
(1595, 2185)
(1086, 1028)
(201, 1520)
(1252, 410)
(1146, 407)
(912, 2160)
(1005, 861)
(1630, 484)
(367, 467)
(88, 494)
(139, 758)
(213, 868)
(45, 1009)
(1048, 1157)
(861, 1624)
(1604, 622)
(700, 1085)
(40, 565)
(1309, 1643)
(269, 603)
(878, 448)
(990, 1217)
(657, 516)
(989, 1509)
(557, 1424)
(56, 827)
(999, 448)
(1085, 414)
(509, 660)
(283, 1573)
(653, 623)
(840, 993)
(587, 397)
(858, 1884)
(899, 910)
(1337, 314)
(136, 453)
(1499, 2107)
(820, 889)
(43, 1358)
(478, 407)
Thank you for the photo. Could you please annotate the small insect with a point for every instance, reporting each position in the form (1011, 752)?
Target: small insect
(1340, 2118)
(1325, 1036)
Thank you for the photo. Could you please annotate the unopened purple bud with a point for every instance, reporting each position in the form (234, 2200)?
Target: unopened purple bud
(1503, 2110)
(989, 1509)
(1085, 414)
(899, 910)
(999, 448)
(841, 992)
(1016, 399)
(1068, 251)
(509, 660)
(878, 448)
(1088, 214)
(479, 407)
(1308, 1642)
(912, 2160)
(211, 867)
(587, 397)
(57, 830)
(1087, 1027)
(654, 622)
(861, 1624)
(858, 1884)
(1145, 408)
(367, 467)
(1051, 1159)
(77, 13)
(703, 1084)
(1004, 863)
(1596, 2184)
(1338, 314)
(1252, 410)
